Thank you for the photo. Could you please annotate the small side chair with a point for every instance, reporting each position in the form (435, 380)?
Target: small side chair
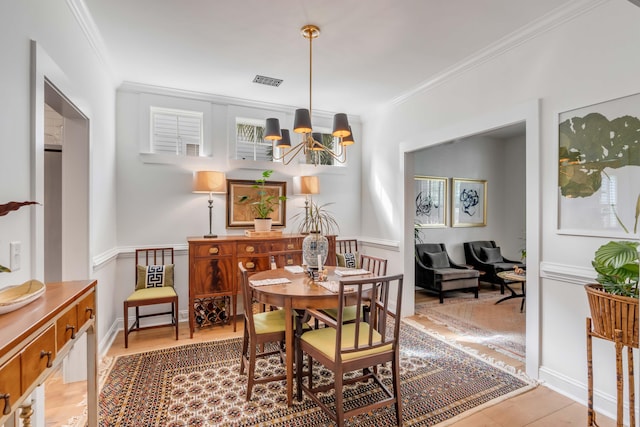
(259, 329)
(154, 285)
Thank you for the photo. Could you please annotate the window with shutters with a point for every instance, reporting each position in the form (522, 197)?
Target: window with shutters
(250, 143)
(177, 132)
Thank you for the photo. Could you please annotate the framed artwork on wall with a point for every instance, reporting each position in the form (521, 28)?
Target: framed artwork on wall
(430, 201)
(599, 169)
(469, 198)
(242, 193)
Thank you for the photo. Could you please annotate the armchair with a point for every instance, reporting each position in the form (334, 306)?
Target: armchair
(436, 272)
(485, 256)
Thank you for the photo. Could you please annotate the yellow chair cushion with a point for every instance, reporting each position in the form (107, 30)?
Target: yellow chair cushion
(269, 321)
(150, 293)
(324, 339)
(348, 313)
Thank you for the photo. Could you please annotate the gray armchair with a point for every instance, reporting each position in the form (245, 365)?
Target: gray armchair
(485, 256)
(436, 272)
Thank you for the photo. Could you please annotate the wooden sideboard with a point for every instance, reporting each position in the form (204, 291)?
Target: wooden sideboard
(214, 275)
(35, 339)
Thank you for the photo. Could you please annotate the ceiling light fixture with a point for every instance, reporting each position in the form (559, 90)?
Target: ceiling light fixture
(311, 141)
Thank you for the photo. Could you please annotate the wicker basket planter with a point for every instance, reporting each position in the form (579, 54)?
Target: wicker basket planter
(610, 312)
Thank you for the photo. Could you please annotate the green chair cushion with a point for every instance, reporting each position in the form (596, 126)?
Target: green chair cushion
(269, 321)
(324, 339)
(348, 314)
(150, 293)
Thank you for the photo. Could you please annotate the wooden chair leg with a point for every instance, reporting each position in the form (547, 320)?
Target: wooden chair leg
(339, 397)
(126, 325)
(174, 315)
(251, 369)
(395, 366)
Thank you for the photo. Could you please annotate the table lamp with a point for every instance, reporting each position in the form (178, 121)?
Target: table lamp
(211, 182)
(307, 186)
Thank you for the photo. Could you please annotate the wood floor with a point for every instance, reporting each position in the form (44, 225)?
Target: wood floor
(540, 407)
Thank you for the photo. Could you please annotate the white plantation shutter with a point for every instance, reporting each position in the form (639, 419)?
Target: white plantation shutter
(176, 132)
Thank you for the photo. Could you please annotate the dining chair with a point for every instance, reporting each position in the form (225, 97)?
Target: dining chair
(377, 267)
(260, 330)
(154, 270)
(347, 254)
(356, 348)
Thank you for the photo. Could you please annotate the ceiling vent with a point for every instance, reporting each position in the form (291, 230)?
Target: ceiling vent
(269, 81)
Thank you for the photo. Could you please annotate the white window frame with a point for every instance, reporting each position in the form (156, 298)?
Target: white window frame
(183, 141)
(255, 144)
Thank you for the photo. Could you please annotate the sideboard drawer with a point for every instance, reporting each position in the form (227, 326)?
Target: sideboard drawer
(38, 356)
(250, 248)
(66, 327)
(255, 264)
(212, 249)
(86, 309)
(286, 245)
(10, 388)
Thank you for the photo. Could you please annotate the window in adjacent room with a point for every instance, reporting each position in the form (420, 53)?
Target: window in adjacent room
(178, 132)
(250, 143)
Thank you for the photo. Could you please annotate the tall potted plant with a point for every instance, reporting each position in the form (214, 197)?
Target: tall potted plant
(613, 303)
(316, 223)
(265, 203)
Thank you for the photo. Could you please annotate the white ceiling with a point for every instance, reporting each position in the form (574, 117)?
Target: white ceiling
(369, 51)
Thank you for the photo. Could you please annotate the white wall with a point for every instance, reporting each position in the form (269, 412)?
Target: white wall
(502, 164)
(77, 71)
(588, 59)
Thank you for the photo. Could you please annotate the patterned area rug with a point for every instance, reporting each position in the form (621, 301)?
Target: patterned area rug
(499, 326)
(200, 385)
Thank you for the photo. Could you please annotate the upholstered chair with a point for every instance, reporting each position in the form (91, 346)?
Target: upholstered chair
(435, 271)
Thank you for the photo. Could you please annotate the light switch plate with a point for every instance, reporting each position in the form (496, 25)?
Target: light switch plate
(15, 249)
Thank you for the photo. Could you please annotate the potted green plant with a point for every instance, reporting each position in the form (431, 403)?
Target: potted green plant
(265, 203)
(613, 301)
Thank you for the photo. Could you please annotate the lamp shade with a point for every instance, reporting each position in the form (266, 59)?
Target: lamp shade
(306, 185)
(302, 121)
(285, 142)
(348, 140)
(341, 125)
(209, 182)
(272, 130)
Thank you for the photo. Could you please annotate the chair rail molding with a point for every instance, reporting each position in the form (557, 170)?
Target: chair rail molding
(567, 273)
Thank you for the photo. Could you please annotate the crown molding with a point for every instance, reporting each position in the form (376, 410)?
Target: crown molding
(535, 29)
(88, 26)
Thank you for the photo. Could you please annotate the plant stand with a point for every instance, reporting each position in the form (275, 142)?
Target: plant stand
(615, 318)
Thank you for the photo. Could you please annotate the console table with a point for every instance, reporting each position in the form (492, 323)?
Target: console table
(214, 276)
(35, 339)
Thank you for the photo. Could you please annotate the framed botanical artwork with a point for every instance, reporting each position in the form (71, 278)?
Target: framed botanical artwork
(430, 201)
(599, 169)
(241, 194)
(469, 197)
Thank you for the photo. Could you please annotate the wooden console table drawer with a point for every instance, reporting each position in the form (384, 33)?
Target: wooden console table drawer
(66, 327)
(86, 309)
(38, 356)
(35, 339)
(10, 385)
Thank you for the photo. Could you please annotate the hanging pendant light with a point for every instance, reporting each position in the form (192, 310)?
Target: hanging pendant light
(311, 141)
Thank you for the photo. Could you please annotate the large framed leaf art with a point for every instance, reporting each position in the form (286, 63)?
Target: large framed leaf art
(599, 169)
(430, 201)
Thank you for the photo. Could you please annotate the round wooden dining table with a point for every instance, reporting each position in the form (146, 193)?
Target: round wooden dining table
(298, 294)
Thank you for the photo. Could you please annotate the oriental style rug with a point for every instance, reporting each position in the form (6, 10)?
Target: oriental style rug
(498, 326)
(200, 385)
